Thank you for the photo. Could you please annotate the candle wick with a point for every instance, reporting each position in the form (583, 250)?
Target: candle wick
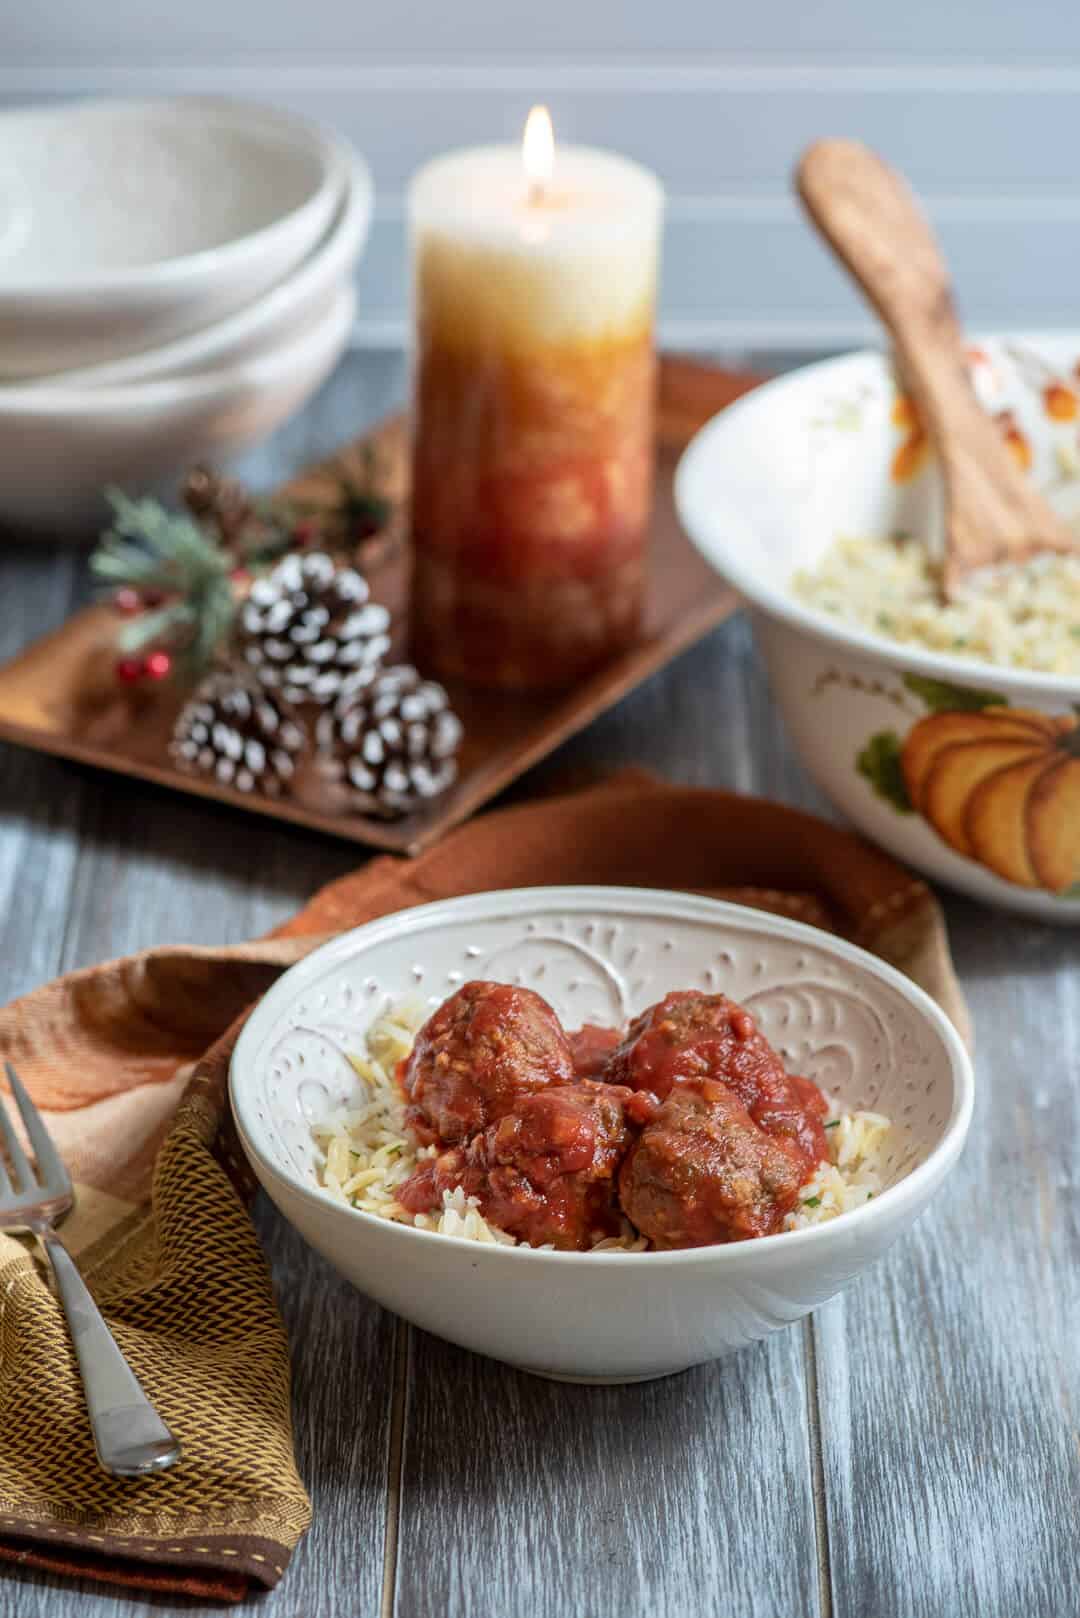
(537, 193)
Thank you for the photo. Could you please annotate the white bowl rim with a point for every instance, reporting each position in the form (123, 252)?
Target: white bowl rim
(647, 901)
(254, 371)
(163, 274)
(777, 600)
(351, 222)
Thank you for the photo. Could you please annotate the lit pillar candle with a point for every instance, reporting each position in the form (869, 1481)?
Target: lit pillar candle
(534, 292)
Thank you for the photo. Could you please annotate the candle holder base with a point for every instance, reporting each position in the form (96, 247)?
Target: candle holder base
(47, 701)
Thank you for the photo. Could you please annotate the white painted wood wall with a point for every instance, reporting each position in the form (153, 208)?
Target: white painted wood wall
(978, 100)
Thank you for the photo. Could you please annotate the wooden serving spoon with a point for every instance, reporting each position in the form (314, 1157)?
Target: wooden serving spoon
(872, 220)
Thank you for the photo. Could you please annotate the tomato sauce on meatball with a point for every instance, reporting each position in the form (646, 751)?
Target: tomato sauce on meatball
(546, 1172)
(687, 1124)
(484, 1049)
(592, 1047)
(704, 1172)
(689, 1035)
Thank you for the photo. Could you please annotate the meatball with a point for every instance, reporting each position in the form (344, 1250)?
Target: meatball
(795, 1112)
(689, 1035)
(484, 1049)
(592, 1047)
(546, 1171)
(704, 1172)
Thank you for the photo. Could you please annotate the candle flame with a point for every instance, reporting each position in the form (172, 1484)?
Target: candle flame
(538, 150)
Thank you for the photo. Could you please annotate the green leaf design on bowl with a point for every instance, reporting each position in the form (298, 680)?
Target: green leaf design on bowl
(941, 697)
(879, 762)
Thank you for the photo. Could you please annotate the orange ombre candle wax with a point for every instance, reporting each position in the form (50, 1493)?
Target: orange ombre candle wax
(533, 411)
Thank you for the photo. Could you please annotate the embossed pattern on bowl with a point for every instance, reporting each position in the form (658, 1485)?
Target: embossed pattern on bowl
(858, 1028)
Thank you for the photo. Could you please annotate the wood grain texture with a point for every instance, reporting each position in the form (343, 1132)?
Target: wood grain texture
(521, 1496)
(950, 1383)
(40, 808)
(932, 1411)
(873, 222)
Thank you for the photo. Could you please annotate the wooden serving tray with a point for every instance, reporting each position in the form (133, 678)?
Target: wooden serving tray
(59, 694)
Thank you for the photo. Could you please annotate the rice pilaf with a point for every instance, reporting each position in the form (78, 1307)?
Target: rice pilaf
(1024, 616)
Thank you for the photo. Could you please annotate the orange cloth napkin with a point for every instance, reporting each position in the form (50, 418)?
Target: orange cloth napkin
(162, 1229)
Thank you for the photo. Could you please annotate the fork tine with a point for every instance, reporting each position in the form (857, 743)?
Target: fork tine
(22, 1175)
(51, 1171)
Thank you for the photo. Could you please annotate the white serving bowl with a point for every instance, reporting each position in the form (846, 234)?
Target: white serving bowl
(858, 1027)
(127, 224)
(764, 490)
(260, 326)
(60, 448)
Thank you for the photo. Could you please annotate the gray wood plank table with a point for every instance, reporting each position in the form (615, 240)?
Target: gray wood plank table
(911, 1450)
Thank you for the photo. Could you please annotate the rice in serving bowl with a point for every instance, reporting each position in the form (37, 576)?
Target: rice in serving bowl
(367, 1153)
(1025, 616)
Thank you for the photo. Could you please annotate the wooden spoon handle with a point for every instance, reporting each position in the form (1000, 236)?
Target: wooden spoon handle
(872, 220)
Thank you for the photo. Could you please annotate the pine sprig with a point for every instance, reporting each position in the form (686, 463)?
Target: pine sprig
(177, 568)
(171, 623)
(364, 510)
(150, 549)
(357, 511)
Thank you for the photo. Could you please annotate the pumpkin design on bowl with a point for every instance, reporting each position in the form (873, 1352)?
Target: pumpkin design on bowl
(1001, 785)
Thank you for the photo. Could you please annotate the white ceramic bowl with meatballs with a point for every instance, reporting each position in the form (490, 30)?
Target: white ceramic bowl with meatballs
(833, 452)
(836, 1014)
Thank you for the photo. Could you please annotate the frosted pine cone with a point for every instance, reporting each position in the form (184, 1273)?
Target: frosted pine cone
(310, 626)
(391, 743)
(235, 731)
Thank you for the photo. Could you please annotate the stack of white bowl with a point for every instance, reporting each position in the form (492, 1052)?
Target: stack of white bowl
(176, 278)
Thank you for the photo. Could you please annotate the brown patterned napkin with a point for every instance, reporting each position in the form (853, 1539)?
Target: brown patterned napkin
(162, 1230)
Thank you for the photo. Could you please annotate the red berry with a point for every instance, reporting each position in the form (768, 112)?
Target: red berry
(240, 576)
(127, 601)
(305, 533)
(153, 598)
(157, 666)
(128, 669)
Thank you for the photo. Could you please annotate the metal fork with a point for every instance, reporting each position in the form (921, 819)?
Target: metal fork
(129, 1436)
